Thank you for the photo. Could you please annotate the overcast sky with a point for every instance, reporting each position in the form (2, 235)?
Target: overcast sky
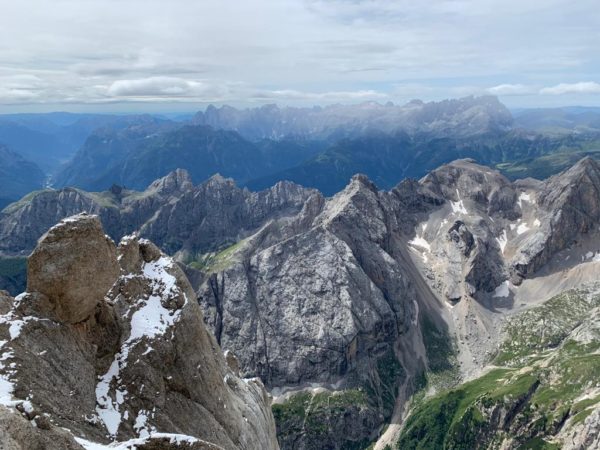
(171, 55)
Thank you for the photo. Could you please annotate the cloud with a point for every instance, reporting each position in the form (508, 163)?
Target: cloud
(290, 94)
(295, 50)
(583, 87)
(154, 86)
(511, 89)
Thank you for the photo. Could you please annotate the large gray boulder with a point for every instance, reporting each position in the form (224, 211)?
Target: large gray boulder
(74, 265)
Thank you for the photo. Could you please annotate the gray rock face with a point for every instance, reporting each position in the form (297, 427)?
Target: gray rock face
(322, 300)
(572, 203)
(141, 364)
(171, 212)
(586, 436)
(18, 433)
(333, 303)
(319, 299)
(218, 212)
(92, 268)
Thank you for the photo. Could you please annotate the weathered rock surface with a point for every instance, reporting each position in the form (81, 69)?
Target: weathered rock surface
(323, 299)
(74, 266)
(334, 303)
(142, 363)
(171, 211)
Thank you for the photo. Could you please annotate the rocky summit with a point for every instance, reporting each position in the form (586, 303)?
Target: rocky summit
(107, 349)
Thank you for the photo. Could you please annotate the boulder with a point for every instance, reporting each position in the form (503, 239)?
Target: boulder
(74, 265)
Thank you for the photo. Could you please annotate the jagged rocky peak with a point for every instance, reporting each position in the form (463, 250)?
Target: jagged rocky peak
(578, 186)
(109, 344)
(175, 182)
(218, 180)
(465, 179)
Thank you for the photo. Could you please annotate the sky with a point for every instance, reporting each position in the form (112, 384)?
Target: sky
(181, 55)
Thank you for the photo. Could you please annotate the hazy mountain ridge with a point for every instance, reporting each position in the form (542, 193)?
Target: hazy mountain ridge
(459, 117)
(323, 147)
(52, 139)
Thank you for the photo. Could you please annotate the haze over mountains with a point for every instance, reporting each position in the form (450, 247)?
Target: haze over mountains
(320, 147)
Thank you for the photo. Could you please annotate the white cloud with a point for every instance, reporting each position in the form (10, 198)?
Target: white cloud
(156, 86)
(294, 50)
(511, 89)
(583, 87)
(290, 94)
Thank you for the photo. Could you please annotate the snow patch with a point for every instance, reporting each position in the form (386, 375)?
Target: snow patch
(151, 319)
(458, 207)
(141, 426)
(6, 385)
(134, 443)
(502, 290)
(502, 241)
(419, 241)
(522, 228)
(524, 197)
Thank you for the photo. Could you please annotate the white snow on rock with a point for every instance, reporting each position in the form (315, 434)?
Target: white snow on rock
(15, 324)
(132, 444)
(141, 426)
(502, 290)
(458, 207)
(522, 228)
(524, 197)
(420, 244)
(502, 241)
(419, 241)
(8, 372)
(150, 320)
(537, 223)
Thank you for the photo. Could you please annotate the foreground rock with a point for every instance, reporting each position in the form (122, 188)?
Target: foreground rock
(74, 267)
(132, 364)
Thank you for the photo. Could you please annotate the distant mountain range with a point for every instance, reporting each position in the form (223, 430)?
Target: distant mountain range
(458, 117)
(314, 147)
(320, 147)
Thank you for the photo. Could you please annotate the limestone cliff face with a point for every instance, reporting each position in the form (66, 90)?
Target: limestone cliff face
(571, 201)
(325, 300)
(118, 351)
(217, 212)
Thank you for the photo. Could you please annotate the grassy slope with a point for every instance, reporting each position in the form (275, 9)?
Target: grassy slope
(539, 389)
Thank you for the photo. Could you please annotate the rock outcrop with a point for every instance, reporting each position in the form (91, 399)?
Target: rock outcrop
(321, 307)
(171, 211)
(74, 266)
(130, 361)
